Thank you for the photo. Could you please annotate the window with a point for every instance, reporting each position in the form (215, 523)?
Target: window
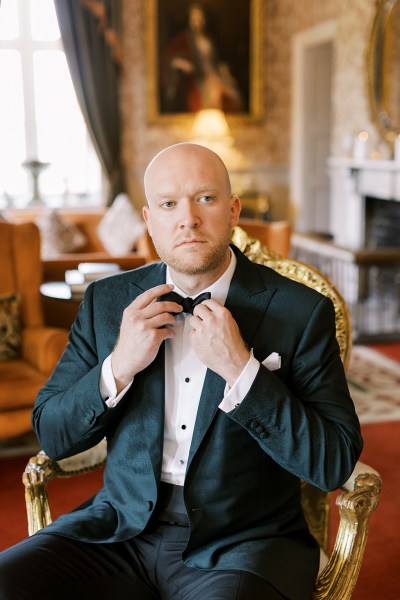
(40, 119)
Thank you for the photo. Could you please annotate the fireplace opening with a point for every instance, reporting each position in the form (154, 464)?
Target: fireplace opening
(382, 223)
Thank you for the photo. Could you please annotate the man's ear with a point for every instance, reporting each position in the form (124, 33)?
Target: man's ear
(236, 207)
(146, 217)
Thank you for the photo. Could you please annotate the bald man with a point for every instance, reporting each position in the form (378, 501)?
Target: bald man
(208, 437)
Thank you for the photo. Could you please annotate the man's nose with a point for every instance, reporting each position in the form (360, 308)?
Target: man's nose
(189, 215)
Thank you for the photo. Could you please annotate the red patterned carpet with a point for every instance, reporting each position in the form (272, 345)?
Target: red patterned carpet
(390, 350)
(379, 577)
(374, 381)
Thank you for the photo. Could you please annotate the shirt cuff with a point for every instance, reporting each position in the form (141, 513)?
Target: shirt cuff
(108, 389)
(233, 396)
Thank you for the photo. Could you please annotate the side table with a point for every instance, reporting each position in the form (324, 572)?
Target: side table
(59, 305)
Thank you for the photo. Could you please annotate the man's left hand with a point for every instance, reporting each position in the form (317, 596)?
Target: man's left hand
(216, 340)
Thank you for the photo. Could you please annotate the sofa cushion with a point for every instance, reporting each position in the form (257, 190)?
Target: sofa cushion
(20, 383)
(58, 236)
(10, 327)
(120, 227)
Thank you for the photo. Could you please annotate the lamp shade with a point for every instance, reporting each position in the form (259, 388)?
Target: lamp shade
(210, 123)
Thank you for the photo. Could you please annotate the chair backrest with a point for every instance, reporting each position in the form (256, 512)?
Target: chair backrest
(21, 268)
(275, 235)
(315, 502)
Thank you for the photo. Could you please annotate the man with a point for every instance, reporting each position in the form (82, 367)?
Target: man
(192, 74)
(208, 436)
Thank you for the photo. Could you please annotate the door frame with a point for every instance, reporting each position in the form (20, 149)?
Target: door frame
(303, 41)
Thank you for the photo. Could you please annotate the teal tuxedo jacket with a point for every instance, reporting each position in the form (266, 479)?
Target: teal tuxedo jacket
(242, 486)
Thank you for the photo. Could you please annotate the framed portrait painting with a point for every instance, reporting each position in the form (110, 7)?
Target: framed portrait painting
(203, 54)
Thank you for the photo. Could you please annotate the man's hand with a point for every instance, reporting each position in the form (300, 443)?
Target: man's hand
(216, 340)
(141, 333)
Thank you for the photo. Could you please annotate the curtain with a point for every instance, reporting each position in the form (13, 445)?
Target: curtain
(89, 31)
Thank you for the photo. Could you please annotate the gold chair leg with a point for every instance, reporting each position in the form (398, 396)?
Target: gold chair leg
(35, 477)
(337, 580)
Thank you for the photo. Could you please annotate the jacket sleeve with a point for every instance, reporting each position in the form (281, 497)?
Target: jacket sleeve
(70, 415)
(307, 422)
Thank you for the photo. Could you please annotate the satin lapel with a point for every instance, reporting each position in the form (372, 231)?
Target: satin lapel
(248, 300)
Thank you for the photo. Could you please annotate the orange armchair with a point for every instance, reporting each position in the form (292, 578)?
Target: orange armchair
(41, 346)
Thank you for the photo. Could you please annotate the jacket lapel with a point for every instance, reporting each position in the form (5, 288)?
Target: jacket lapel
(153, 410)
(248, 299)
(211, 396)
(148, 277)
(150, 385)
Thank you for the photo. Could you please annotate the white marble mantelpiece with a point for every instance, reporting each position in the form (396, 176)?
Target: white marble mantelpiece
(351, 182)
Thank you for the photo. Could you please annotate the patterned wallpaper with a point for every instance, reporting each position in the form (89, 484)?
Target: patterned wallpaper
(267, 144)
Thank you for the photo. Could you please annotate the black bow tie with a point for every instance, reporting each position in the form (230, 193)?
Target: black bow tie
(188, 304)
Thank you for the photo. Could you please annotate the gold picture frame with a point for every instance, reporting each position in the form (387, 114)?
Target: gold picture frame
(239, 48)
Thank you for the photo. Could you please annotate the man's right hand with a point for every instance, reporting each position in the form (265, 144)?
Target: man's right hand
(141, 333)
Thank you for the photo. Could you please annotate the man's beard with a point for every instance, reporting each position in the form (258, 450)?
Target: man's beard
(194, 263)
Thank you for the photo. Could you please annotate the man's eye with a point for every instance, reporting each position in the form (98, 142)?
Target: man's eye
(206, 198)
(168, 204)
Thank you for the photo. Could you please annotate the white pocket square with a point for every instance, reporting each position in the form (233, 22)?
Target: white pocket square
(273, 361)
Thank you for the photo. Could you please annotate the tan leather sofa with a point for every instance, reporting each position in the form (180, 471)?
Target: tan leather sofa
(87, 220)
(275, 235)
(58, 312)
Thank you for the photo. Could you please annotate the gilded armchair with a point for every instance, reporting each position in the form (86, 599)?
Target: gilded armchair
(356, 503)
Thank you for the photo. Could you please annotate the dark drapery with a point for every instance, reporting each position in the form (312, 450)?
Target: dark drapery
(89, 31)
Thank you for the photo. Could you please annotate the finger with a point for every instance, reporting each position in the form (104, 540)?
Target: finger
(161, 320)
(164, 306)
(195, 322)
(206, 308)
(150, 295)
(212, 305)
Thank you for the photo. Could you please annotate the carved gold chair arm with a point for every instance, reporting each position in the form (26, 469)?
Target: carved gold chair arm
(41, 469)
(356, 504)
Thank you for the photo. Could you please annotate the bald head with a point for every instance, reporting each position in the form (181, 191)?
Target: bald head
(190, 213)
(176, 158)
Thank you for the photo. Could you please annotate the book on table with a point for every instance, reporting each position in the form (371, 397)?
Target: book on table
(79, 279)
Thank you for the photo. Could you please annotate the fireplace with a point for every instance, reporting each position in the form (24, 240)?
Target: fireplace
(364, 201)
(382, 223)
(363, 258)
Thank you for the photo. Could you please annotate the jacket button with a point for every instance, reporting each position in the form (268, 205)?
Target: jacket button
(263, 435)
(90, 416)
(254, 424)
(259, 429)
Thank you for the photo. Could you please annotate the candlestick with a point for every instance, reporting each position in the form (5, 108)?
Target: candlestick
(360, 146)
(397, 149)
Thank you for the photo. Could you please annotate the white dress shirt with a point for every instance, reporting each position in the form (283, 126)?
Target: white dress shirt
(184, 379)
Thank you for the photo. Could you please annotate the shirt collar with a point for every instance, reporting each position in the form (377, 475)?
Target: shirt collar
(219, 289)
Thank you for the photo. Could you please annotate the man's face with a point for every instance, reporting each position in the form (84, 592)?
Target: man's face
(196, 19)
(191, 211)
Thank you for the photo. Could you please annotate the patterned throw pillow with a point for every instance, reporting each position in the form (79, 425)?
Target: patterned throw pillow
(120, 227)
(10, 327)
(58, 236)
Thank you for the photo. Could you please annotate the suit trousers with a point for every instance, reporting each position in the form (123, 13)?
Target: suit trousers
(147, 567)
